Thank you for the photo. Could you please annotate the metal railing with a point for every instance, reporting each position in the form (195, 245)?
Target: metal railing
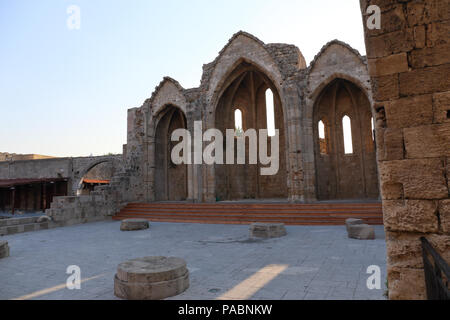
(437, 275)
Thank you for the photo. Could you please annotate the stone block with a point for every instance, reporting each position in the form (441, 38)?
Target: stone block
(386, 44)
(438, 39)
(427, 182)
(444, 214)
(385, 87)
(424, 12)
(420, 36)
(361, 232)
(390, 145)
(267, 230)
(134, 225)
(427, 57)
(29, 227)
(405, 261)
(392, 64)
(441, 107)
(4, 249)
(409, 112)
(14, 229)
(404, 250)
(431, 141)
(406, 283)
(393, 191)
(151, 278)
(425, 80)
(441, 243)
(410, 215)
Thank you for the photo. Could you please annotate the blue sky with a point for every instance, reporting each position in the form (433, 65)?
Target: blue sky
(66, 92)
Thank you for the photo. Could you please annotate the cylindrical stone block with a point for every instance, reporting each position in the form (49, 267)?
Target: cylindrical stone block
(151, 278)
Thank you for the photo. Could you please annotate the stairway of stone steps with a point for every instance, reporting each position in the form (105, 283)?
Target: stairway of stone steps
(23, 224)
(247, 213)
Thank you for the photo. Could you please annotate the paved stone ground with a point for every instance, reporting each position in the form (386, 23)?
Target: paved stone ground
(315, 262)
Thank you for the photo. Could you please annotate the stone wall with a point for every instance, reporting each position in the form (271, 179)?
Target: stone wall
(336, 60)
(36, 169)
(102, 171)
(102, 203)
(409, 63)
(296, 88)
(280, 67)
(73, 169)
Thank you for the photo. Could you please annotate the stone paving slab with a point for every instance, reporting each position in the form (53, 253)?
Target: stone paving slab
(309, 263)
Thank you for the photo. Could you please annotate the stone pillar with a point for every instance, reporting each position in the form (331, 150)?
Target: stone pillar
(150, 168)
(292, 103)
(409, 64)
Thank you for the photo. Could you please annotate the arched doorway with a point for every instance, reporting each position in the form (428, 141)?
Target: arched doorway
(250, 101)
(344, 143)
(170, 179)
(96, 174)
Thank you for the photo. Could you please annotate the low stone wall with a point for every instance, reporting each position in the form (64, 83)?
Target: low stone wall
(24, 224)
(75, 210)
(103, 203)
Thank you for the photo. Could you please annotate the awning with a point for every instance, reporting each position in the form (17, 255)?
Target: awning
(96, 181)
(8, 183)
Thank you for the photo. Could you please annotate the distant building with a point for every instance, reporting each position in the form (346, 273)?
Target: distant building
(5, 156)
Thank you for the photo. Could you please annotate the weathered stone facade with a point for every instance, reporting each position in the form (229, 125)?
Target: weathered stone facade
(409, 64)
(238, 78)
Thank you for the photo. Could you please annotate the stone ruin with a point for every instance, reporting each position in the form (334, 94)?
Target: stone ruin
(402, 87)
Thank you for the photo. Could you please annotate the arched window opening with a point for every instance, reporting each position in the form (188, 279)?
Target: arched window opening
(322, 138)
(238, 122)
(270, 113)
(373, 128)
(347, 129)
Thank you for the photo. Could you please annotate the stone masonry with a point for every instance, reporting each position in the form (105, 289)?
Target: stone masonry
(238, 76)
(73, 169)
(402, 86)
(409, 64)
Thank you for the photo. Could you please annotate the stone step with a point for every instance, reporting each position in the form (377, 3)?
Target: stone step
(254, 213)
(278, 211)
(256, 205)
(306, 222)
(233, 213)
